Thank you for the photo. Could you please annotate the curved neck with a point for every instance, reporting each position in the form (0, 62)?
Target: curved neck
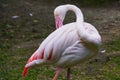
(83, 34)
(79, 20)
(78, 13)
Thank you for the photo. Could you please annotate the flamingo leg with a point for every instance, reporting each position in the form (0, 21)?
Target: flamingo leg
(57, 73)
(68, 74)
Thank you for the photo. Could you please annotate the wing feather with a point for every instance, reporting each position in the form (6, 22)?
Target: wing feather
(73, 55)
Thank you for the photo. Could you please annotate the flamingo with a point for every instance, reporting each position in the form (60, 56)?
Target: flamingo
(70, 44)
(59, 14)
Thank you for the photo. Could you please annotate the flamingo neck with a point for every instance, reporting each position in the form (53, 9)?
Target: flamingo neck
(79, 19)
(78, 13)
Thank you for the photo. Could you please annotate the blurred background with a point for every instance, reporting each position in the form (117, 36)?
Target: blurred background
(24, 24)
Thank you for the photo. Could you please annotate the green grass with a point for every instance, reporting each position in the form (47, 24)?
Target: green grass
(13, 57)
(114, 45)
(12, 60)
(25, 29)
(112, 68)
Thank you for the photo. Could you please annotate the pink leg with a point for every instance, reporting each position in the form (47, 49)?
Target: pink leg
(57, 73)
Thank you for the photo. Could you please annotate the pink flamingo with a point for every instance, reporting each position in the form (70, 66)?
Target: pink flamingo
(59, 14)
(67, 46)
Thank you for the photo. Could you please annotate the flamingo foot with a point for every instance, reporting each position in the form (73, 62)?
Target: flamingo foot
(57, 73)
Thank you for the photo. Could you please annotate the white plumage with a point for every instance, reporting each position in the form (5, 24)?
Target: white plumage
(69, 45)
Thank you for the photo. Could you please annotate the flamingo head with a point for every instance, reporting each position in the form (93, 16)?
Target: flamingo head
(33, 60)
(59, 14)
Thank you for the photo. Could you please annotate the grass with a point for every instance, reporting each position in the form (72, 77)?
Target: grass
(13, 56)
(114, 45)
(12, 62)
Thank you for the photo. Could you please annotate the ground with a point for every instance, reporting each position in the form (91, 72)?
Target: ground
(21, 36)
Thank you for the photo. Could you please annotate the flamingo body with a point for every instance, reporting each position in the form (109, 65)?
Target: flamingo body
(67, 46)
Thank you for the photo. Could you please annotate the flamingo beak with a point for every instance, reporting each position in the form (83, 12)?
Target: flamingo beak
(33, 60)
(59, 22)
(27, 66)
(25, 71)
